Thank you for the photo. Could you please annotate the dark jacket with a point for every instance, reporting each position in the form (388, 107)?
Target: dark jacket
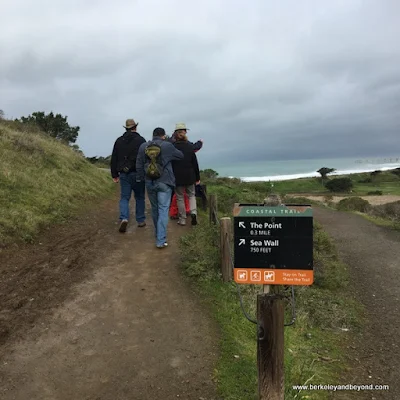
(196, 146)
(125, 152)
(187, 170)
(168, 154)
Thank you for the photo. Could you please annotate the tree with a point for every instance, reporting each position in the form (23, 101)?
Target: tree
(209, 173)
(340, 185)
(325, 171)
(76, 148)
(1, 114)
(103, 161)
(54, 125)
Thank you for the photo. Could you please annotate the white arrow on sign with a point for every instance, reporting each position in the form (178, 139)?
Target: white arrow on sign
(242, 241)
(241, 224)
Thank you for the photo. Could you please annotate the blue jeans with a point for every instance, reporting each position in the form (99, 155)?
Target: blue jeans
(129, 184)
(160, 200)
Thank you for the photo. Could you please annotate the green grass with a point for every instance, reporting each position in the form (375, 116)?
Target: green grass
(386, 188)
(314, 346)
(42, 182)
(386, 182)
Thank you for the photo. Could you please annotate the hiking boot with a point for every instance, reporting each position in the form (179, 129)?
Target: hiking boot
(163, 246)
(141, 224)
(181, 222)
(194, 219)
(123, 225)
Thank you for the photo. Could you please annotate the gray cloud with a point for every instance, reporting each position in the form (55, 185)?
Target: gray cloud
(263, 80)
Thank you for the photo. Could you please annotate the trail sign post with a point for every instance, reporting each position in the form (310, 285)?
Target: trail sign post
(273, 245)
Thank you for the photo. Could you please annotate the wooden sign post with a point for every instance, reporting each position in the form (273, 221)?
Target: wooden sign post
(270, 347)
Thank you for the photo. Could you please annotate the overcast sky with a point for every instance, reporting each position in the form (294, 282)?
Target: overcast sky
(260, 79)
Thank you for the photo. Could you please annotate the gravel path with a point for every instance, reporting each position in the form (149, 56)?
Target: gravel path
(373, 256)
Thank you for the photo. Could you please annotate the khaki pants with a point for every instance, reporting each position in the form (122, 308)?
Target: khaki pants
(191, 193)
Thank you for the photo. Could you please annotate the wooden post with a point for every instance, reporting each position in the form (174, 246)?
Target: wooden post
(225, 240)
(204, 199)
(213, 208)
(270, 347)
(270, 344)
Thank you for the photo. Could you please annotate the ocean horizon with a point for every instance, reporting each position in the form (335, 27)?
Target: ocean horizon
(295, 169)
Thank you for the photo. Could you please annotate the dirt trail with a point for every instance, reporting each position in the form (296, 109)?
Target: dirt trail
(93, 314)
(373, 256)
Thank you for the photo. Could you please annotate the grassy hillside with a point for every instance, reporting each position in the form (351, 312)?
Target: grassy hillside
(42, 181)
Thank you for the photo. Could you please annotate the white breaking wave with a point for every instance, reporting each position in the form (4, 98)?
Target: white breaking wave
(271, 178)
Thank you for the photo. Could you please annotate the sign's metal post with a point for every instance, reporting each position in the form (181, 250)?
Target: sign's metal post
(273, 247)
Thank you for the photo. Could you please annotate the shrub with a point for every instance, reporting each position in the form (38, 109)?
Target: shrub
(389, 210)
(376, 192)
(354, 204)
(339, 185)
(396, 171)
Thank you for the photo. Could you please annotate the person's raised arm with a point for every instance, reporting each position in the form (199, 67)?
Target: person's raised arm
(198, 145)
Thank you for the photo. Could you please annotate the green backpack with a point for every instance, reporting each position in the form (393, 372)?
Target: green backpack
(155, 168)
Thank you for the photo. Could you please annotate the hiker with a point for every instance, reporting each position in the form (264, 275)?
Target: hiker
(123, 170)
(153, 165)
(187, 174)
(181, 127)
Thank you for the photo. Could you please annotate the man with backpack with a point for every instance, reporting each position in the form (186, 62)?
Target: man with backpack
(153, 166)
(123, 170)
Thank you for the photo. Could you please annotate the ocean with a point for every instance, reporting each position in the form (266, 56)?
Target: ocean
(285, 170)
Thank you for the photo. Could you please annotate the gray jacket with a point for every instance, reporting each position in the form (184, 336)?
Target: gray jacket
(168, 153)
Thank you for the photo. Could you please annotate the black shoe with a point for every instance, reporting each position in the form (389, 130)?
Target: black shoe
(194, 219)
(123, 225)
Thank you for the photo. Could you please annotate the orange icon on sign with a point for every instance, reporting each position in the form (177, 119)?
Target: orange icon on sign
(269, 276)
(255, 276)
(242, 275)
